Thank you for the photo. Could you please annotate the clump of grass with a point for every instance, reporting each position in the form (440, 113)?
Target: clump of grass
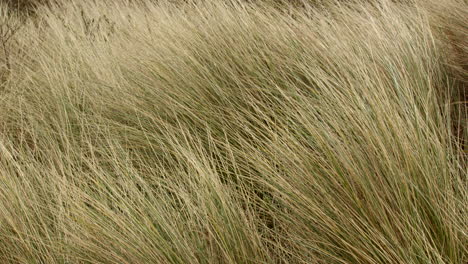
(25, 7)
(234, 132)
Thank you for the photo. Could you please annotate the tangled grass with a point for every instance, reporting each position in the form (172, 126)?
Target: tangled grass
(235, 132)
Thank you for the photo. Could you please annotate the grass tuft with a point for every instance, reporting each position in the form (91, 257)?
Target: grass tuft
(234, 132)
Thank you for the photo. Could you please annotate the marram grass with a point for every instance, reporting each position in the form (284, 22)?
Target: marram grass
(234, 132)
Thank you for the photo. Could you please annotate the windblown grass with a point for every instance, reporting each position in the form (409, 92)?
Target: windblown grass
(235, 132)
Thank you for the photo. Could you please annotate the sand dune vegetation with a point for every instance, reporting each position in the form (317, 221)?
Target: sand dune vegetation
(234, 131)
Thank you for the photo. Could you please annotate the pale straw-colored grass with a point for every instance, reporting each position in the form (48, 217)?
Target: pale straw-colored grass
(232, 132)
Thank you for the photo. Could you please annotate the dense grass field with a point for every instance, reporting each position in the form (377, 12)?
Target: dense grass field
(231, 131)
